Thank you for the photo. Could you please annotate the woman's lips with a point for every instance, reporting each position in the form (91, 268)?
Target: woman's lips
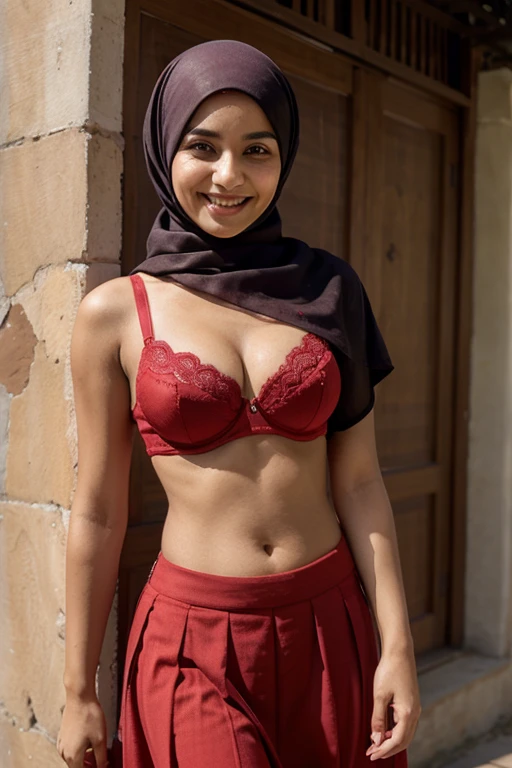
(224, 210)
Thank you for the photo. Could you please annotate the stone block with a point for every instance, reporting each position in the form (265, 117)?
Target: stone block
(461, 699)
(488, 614)
(32, 544)
(23, 749)
(44, 214)
(39, 459)
(50, 302)
(17, 344)
(106, 76)
(104, 170)
(44, 79)
(493, 753)
(5, 405)
(494, 96)
(110, 9)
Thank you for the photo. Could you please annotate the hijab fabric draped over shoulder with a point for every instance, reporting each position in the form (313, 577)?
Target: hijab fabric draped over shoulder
(259, 269)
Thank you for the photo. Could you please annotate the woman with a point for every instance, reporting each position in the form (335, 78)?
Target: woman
(236, 351)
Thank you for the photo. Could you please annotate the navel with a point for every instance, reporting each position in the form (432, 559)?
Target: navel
(268, 549)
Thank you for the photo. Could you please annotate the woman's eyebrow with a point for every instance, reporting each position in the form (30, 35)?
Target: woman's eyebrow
(214, 135)
(260, 135)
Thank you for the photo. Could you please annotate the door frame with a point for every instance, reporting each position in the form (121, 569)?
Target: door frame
(354, 74)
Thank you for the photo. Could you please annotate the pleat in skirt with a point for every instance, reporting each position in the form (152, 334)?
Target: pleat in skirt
(271, 671)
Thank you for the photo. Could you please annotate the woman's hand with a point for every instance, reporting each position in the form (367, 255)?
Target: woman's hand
(83, 725)
(395, 685)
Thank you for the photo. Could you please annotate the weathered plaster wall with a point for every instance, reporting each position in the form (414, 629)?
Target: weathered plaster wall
(60, 234)
(489, 542)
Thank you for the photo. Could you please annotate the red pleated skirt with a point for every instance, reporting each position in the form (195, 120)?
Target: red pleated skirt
(270, 671)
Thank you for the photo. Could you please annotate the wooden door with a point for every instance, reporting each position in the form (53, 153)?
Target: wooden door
(374, 182)
(404, 246)
(314, 205)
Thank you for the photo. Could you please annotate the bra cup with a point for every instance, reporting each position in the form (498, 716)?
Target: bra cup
(298, 412)
(331, 393)
(311, 405)
(182, 414)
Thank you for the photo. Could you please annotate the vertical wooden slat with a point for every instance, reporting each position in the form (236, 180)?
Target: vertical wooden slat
(328, 12)
(403, 56)
(365, 243)
(358, 29)
(311, 9)
(383, 32)
(435, 68)
(438, 74)
(370, 41)
(296, 5)
(447, 57)
(448, 211)
(428, 33)
(440, 53)
(412, 37)
(444, 56)
(421, 42)
(464, 318)
(392, 30)
(433, 52)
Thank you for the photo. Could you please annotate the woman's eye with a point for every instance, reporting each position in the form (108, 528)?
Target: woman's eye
(200, 146)
(257, 150)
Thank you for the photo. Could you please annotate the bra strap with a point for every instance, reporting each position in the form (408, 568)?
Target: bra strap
(142, 303)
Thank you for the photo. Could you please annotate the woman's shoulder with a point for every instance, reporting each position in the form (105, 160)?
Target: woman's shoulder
(108, 302)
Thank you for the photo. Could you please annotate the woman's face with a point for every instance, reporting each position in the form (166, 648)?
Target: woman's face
(227, 167)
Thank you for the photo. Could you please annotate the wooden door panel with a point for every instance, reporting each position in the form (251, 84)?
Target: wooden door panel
(313, 205)
(416, 539)
(410, 278)
(401, 147)
(159, 42)
(410, 273)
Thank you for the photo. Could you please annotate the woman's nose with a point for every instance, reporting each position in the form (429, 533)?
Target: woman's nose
(227, 171)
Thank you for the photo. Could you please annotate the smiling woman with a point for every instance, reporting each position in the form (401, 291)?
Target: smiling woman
(251, 358)
(227, 182)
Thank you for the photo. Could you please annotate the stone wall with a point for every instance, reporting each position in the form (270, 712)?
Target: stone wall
(489, 543)
(60, 235)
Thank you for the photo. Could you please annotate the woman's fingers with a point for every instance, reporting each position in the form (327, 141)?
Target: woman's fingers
(399, 738)
(379, 719)
(396, 743)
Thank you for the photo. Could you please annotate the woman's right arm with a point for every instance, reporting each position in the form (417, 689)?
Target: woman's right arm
(99, 513)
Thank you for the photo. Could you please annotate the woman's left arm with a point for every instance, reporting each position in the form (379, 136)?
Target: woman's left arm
(363, 508)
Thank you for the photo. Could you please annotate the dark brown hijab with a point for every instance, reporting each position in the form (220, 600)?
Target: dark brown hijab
(259, 269)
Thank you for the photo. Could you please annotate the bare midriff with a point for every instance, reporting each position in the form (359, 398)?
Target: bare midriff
(254, 506)
(259, 504)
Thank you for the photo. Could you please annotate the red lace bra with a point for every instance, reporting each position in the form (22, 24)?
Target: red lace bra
(184, 406)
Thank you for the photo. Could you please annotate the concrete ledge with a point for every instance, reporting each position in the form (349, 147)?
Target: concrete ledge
(463, 698)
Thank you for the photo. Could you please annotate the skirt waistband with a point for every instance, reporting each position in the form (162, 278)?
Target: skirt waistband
(252, 592)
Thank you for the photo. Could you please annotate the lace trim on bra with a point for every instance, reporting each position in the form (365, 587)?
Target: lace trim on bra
(187, 368)
(297, 367)
(300, 363)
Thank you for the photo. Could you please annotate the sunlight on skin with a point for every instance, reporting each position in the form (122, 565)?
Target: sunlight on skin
(229, 153)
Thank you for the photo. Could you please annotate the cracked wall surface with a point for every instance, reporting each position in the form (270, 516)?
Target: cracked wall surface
(60, 235)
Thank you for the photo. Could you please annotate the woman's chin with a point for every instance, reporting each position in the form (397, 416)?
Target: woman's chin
(222, 229)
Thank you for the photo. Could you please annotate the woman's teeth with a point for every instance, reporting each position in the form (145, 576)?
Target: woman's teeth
(225, 203)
